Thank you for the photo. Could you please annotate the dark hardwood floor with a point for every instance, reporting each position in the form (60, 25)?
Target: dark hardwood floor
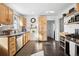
(50, 48)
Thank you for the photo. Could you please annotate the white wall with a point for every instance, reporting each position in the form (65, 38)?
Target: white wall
(34, 36)
(57, 29)
(50, 29)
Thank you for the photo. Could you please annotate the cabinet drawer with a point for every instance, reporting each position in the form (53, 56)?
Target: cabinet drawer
(12, 45)
(12, 51)
(11, 39)
(12, 48)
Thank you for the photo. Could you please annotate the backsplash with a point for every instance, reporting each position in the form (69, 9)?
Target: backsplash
(71, 28)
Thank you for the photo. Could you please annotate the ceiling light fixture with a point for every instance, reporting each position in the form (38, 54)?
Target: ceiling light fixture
(50, 12)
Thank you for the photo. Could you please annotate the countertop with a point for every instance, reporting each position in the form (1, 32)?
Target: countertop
(73, 36)
(15, 34)
(70, 37)
(63, 34)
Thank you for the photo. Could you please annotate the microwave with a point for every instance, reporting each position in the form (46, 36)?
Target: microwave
(77, 17)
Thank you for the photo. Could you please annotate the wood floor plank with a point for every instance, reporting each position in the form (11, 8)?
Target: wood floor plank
(50, 48)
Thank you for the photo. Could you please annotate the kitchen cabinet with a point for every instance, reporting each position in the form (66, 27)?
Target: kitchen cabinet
(42, 24)
(3, 13)
(12, 45)
(22, 20)
(10, 16)
(7, 45)
(62, 42)
(6, 15)
(77, 7)
(27, 36)
(24, 39)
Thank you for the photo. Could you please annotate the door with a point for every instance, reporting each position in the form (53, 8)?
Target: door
(51, 29)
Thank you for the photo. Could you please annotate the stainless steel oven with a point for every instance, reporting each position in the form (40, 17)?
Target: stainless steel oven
(76, 17)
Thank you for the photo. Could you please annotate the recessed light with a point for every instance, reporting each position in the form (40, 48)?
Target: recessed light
(50, 12)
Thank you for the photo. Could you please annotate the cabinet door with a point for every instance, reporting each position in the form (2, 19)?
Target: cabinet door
(22, 21)
(77, 7)
(10, 17)
(28, 36)
(6, 15)
(2, 13)
(24, 39)
(12, 45)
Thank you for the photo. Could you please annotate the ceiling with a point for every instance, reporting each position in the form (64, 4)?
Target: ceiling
(39, 8)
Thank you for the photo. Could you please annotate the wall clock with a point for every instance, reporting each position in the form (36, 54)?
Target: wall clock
(33, 20)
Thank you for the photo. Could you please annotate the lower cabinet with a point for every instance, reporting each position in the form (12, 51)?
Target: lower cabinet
(26, 38)
(12, 45)
(9, 45)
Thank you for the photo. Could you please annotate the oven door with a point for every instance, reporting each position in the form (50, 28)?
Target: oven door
(77, 18)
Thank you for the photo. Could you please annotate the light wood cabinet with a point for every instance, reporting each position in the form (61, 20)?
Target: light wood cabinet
(77, 7)
(2, 13)
(7, 45)
(22, 21)
(42, 24)
(12, 45)
(6, 15)
(10, 16)
(26, 38)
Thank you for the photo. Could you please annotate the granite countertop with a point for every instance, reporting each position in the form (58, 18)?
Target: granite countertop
(15, 34)
(74, 38)
(75, 41)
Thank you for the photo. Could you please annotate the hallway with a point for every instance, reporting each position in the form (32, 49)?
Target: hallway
(50, 48)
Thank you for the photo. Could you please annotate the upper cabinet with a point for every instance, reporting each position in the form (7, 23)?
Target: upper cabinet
(77, 7)
(22, 21)
(6, 15)
(10, 17)
(3, 13)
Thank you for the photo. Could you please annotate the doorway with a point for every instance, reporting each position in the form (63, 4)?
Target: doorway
(51, 29)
